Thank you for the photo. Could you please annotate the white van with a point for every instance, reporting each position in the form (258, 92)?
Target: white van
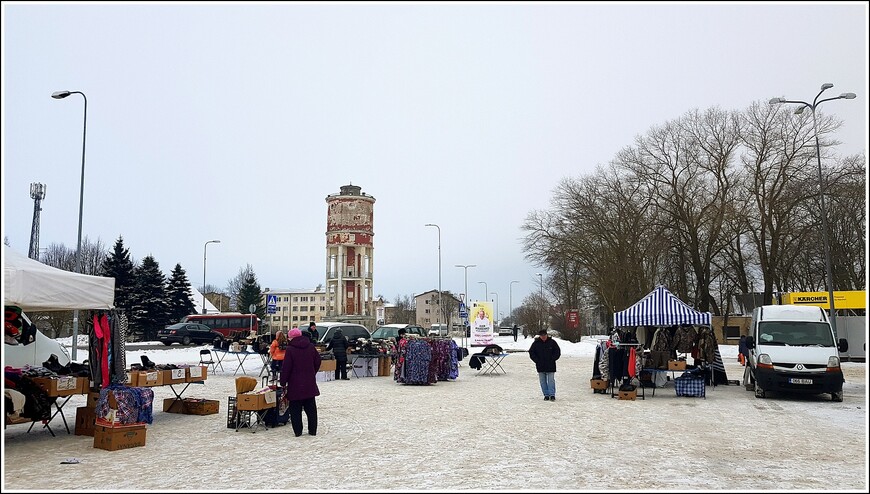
(791, 348)
(438, 330)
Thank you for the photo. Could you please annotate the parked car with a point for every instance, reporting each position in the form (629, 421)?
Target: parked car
(505, 330)
(392, 331)
(186, 333)
(438, 330)
(352, 331)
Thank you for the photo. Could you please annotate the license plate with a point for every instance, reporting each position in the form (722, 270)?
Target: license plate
(800, 381)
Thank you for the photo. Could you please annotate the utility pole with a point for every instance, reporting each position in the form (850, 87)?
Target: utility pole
(37, 193)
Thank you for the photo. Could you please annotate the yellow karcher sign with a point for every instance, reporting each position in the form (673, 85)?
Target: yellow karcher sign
(853, 299)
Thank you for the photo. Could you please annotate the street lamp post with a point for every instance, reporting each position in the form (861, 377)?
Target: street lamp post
(485, 289)
(465, 267)
(812, 107)
(541, 277)
(62, 95)
(511, 300)
(204, 249)
(440, 304)
(496, 302)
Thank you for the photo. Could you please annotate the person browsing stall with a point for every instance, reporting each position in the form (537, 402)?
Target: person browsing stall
(312, 328)
(338, 344)
(276, 352)
(298, 378)
(544, 352)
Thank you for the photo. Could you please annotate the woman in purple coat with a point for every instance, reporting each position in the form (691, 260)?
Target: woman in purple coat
(301, 363)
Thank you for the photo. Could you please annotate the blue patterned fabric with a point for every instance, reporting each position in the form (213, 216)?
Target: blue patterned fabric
(134, 404)
(689, 385)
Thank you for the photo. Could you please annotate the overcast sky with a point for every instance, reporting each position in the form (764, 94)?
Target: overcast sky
(235, 121)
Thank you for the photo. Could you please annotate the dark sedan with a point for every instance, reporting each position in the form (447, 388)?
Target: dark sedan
(186, 333)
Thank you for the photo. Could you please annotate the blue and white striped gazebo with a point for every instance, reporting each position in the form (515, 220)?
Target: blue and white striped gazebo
(660, 308)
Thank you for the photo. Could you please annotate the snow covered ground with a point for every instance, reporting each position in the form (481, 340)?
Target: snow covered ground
(481, 433)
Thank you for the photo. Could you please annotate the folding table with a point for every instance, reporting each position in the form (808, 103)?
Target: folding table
(491, 364)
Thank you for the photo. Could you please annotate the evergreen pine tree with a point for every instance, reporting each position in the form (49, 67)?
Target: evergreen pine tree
(119, 266)
(149, 307)
(178, 295)
(250, 293)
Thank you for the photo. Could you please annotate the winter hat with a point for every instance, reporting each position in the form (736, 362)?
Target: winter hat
(542, 332)
(294, 333)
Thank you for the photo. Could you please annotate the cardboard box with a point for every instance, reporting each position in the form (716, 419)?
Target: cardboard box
(324, 376)
(598, 383)
(628, 395)
(144, 379)
(85, 421)
(327, 365)
(59, 386)
(676, 365)
(384, 364)
(171, 405)
(196, 406)
(196, 373)
(93, 398)
(84, 385)
(174, 376)
(122, 437)
(255, 401)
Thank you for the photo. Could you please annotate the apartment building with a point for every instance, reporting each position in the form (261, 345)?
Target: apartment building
(427, 312)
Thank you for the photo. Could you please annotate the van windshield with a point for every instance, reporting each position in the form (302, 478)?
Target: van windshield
(795, 333)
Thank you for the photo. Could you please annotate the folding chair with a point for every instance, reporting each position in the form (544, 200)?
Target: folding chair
(205, 358)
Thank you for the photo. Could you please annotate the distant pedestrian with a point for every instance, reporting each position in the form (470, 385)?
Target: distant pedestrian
(298, 378)
(544, 352)
(312, 328)
(742, 350)
(338, 344)
(516, 331)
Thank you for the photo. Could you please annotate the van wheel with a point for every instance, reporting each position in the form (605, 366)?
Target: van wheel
(759, 393)
(838, 396)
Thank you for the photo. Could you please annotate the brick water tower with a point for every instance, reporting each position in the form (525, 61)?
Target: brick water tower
(350, 256)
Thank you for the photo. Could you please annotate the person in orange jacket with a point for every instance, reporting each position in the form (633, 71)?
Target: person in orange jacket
(276, 351)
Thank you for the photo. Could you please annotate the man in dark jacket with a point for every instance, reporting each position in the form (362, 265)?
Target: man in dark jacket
(338, 344)
(312, 328)
(544, 352)
(298, 378)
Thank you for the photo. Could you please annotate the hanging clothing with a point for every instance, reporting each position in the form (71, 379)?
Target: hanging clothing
(684, 339)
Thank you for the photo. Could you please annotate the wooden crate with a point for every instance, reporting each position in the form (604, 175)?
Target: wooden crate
(628, 395)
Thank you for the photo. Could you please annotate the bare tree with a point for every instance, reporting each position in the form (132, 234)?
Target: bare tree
(778, 157)
(688, 166)
(58, 324)
(234, 285)
(405, 312)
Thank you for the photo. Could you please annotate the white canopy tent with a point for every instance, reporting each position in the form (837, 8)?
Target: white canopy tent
(33, 286)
